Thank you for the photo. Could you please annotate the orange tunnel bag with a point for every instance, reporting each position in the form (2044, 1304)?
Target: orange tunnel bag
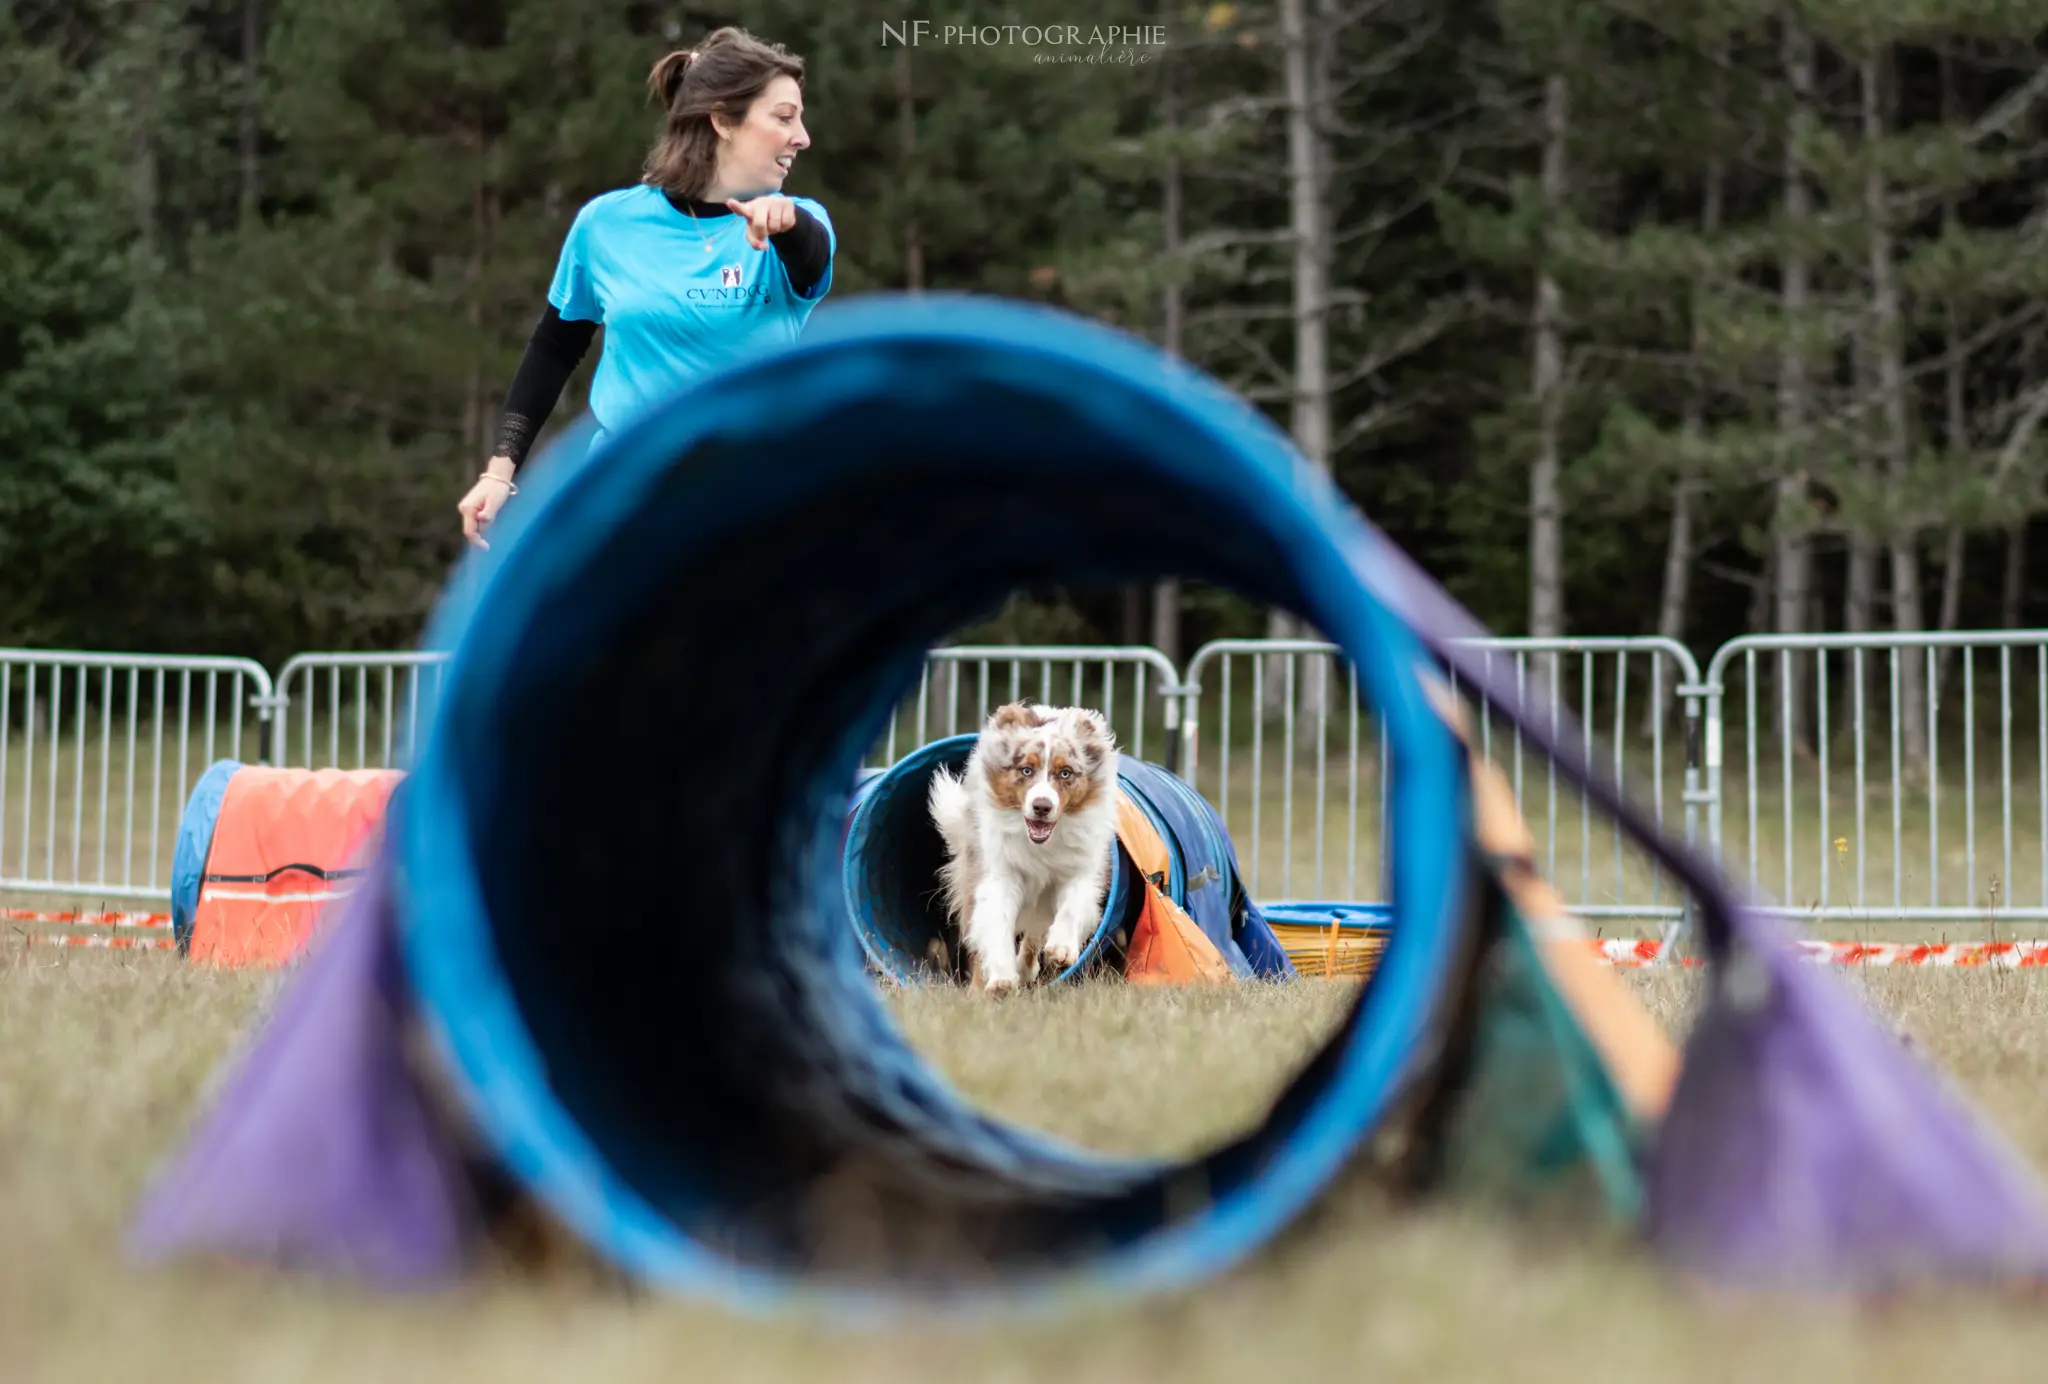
(1167, 947)
(283, 844)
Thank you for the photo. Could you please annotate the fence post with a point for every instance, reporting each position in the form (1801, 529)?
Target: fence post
(1190, 718)
(1700, 723)
(268, 706)
(1174, 695)
(1714, 692)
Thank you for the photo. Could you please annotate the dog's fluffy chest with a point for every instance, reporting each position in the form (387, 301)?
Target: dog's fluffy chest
(1040, 871)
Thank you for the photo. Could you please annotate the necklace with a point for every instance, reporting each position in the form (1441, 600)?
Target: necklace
(709, 248)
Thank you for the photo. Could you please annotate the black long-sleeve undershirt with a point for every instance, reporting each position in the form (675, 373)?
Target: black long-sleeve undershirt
(555, 349)
(558, 345)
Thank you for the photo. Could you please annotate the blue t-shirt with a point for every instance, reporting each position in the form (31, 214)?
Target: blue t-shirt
(672, 309)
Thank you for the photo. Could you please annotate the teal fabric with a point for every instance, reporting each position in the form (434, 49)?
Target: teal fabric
(1539, 1120)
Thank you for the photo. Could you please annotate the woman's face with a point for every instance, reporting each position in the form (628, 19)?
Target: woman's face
(757, 155)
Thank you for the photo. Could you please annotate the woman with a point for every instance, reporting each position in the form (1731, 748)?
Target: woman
(701, 263)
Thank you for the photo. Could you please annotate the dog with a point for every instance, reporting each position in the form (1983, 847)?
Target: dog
(1027, 826)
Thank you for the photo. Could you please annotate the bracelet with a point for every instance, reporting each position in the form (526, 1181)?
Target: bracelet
(510, 488)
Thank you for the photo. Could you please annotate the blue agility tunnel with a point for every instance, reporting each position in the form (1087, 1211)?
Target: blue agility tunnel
(893, 854)
(710, 1091)
(682, 1087)
(606, 953)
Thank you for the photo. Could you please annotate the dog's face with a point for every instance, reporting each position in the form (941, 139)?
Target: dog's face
(1045, 762)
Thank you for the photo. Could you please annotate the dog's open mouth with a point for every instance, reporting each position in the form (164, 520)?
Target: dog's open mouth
(1039, 832)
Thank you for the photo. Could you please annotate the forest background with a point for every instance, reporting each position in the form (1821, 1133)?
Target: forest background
(1624, 317)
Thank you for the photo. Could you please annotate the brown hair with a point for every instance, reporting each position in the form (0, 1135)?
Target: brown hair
(722, 75)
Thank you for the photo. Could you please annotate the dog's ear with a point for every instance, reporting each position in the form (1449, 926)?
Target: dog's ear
(1007, 729)
(1090, 729)
(1017, 716)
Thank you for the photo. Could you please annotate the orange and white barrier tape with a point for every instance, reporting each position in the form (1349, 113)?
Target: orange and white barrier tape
(1625, 951)
(114, 937)
(1354, 953)
(1358, 955)
(117, 943)
(84, 919)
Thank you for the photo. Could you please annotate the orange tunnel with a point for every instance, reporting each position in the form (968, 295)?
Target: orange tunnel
(260, 851)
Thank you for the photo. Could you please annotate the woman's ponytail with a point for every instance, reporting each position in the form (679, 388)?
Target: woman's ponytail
(667, 77)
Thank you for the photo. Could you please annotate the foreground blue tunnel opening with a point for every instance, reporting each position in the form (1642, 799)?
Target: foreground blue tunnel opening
(619, 852)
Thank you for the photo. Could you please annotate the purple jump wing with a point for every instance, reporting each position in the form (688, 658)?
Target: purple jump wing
(322, 1149)
(1805, 1146)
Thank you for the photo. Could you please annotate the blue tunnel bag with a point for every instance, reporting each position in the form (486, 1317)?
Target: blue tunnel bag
(893, 854)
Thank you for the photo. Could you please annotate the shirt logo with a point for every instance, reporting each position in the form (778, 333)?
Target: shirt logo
(729, 277)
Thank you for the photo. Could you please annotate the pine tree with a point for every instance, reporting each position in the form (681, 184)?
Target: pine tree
(1555, 236)
(95, 532)
(1888, 175)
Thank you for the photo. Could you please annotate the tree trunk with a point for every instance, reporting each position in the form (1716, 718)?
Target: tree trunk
(1166, 594)
(1166, 618)
(1859, 597)
(387, 420)
(476, 429)
(1951, 591)
(1758, 618)
(2010, 593)
(1309, 225)
(252, 71)
(1791, 568)
(1956, 424)
(1677, 585)
(1859, 587)
(1952, 546)
(143, 166)
(906, 139)
(1546, 518)
(1904, 537)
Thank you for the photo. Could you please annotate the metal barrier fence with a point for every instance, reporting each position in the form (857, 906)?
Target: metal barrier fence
(1775, 756)
(365, 709)
(1817, 854)
(1135, 687)
(1633, 688)
(98, 753)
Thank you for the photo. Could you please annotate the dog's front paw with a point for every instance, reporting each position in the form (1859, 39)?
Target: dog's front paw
(1057, 957)
(995, 974)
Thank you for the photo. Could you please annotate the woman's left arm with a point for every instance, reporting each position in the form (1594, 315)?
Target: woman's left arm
(806, 250)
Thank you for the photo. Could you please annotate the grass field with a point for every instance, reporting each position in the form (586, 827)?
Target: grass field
(103, 1059)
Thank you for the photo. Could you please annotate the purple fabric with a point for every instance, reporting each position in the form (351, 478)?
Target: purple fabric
(1805, 1148)
(321, 1150)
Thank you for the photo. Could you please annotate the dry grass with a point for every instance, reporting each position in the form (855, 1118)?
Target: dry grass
(103, 1059)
